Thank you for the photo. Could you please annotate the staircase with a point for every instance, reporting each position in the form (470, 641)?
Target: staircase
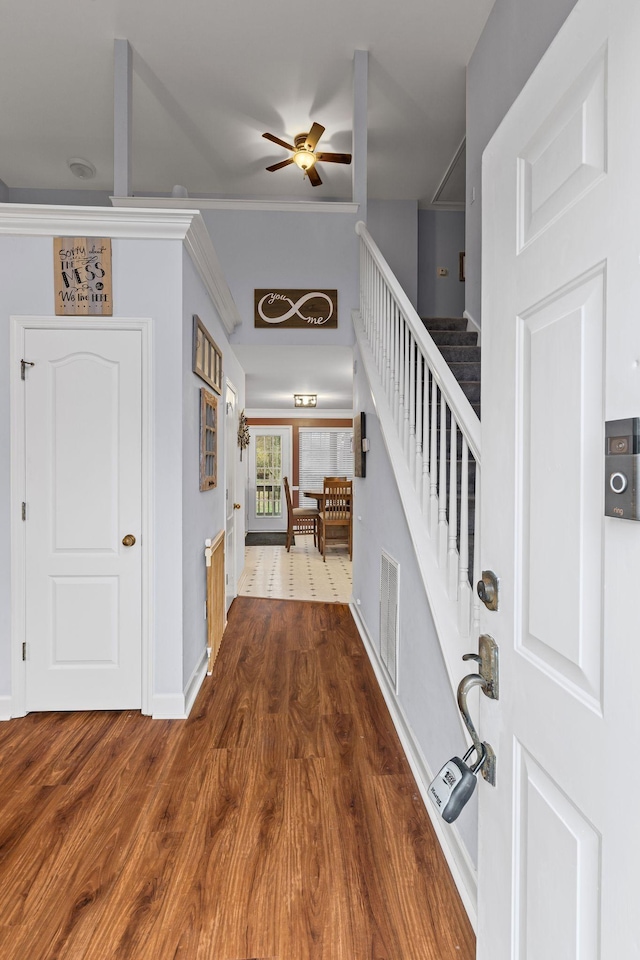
(459, 347)
(424, 376)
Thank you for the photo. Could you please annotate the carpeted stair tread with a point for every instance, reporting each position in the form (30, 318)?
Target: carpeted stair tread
(465, 371)
(445, 323)
(460, 354)
(462, 338)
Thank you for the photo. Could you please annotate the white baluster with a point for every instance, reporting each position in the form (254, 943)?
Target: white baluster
(419, 408)
(406, 428)
(464, 588)
(387, 339)
(442, 485)
(397, 366)
(476, 556)
(433, 462)
(452, 544)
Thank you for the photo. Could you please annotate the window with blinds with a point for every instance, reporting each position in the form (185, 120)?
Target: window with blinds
(323, 452)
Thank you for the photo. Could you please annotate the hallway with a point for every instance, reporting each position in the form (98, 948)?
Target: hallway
(280, 822)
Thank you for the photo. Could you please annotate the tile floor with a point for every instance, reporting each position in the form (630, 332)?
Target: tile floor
(300, 574)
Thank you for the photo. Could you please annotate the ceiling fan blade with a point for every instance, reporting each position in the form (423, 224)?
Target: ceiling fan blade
(279, 166)
(314, 176)
(334, 157)
(314, 135)
(281, 143)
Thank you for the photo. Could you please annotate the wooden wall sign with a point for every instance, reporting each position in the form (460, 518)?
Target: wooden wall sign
(297, 309)
(82, 276)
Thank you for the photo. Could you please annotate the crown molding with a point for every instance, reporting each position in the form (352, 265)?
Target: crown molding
(41, 220)
(209, 203)
(133, 223)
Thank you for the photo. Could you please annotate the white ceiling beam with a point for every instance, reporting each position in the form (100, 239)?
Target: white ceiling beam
(122, 117)
(360, 100)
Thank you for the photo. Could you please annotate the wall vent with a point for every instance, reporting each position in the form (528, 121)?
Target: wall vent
(389, 574)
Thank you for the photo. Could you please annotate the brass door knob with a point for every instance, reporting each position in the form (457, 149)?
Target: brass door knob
(237, 506)
(129, 540)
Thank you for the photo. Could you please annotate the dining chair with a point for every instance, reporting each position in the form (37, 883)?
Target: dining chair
(335, 522)
(300, 519)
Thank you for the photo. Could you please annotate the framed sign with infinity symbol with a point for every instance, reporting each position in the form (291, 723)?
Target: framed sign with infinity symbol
(299, 309)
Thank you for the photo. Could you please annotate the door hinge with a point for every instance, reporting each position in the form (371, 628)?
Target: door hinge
(24, 651)
(23, 365)
(226, 579)
(24, 510)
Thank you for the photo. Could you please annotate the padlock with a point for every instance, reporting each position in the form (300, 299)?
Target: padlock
(454, 785)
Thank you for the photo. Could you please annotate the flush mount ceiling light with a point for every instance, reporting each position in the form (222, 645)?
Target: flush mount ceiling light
(305, 399)
(81, 168)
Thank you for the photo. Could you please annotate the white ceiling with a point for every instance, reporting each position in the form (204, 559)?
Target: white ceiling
(210, 78)
(274, 374)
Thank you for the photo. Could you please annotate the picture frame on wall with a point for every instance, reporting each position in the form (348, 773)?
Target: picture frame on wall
(208, 440)
(207, 357)
(360, 445)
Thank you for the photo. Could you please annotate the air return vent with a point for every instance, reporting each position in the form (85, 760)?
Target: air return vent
(389, 572)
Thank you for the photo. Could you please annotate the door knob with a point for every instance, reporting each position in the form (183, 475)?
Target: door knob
(129, 540)
(237, 506)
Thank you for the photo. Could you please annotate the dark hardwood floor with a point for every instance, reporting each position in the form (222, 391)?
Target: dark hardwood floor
(280, 822)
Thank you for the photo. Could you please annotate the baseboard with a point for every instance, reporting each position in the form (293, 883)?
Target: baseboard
(472, 325)
(177, 706)
(5, 707)
(196, 681)
(462, 868)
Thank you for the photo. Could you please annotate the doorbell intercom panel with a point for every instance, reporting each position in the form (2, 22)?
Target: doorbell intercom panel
(622, 468)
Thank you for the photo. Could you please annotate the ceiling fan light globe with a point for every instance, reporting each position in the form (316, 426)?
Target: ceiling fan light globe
(305, 159)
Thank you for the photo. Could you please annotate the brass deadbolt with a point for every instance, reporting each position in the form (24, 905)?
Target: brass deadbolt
(237, 506)
(129, 540)
(488, 589)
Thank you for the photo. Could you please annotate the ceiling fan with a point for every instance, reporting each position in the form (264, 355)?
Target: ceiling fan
(304, 153)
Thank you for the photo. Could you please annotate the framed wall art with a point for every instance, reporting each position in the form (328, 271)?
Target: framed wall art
(207, 358)
(360, 445)
(208, 440)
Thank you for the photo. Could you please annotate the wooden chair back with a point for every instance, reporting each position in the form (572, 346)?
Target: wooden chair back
(299, 519)
(336, 516)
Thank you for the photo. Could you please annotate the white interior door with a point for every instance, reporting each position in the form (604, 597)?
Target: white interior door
(559, 837)
(83, 419)
(269, 463)
(232, 514)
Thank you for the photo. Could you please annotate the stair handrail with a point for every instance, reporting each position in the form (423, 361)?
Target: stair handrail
(466, 416)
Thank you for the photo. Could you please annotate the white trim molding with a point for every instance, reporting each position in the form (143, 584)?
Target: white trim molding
(213, 203)
(5, 708)
(195, 682)
(462, 868)
(186, 225)
(472, 325)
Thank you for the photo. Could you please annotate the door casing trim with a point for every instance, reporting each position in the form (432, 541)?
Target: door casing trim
(18, 326)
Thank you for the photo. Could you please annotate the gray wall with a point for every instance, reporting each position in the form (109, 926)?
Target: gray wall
(425, 693)
(514, 39)
(74, 198)
(440, 241)
(393, 224)
(260, 250)
(165, 287)
(203, 513)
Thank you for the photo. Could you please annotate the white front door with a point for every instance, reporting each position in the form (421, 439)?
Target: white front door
(82, 426)
(231, 452)
(269, 463)
(559, 837)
